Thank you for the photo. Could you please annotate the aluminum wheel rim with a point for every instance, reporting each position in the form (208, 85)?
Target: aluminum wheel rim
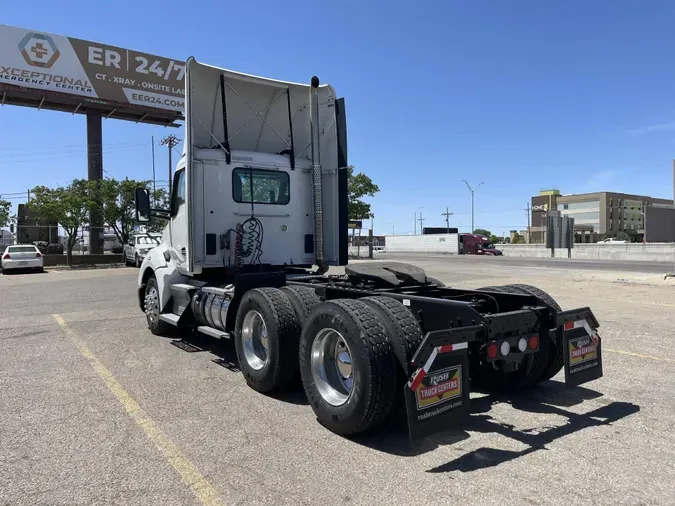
(332, 367)
(152, 305)
(255, 340)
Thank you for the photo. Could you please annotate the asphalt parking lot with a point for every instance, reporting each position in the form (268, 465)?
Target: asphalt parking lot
(96, 410)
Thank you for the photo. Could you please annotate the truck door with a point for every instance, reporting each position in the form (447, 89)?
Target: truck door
(178, 229)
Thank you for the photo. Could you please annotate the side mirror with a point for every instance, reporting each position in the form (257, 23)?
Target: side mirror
(142, 205)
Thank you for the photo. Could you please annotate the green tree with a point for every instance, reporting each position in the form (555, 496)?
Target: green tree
(624, 236)
(482, 231)
(67, 205)
(360, 186)
(494, 239)
(5, 207)
(518, 239)
(117, 205)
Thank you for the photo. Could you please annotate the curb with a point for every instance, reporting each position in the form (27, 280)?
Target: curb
(83, 267)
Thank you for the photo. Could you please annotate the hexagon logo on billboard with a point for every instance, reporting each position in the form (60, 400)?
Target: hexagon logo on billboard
(39, 50)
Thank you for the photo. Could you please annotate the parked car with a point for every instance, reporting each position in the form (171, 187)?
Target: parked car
(138, 246)
(22, 256)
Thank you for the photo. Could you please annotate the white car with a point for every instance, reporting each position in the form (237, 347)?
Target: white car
(138, 246)
(22, 256)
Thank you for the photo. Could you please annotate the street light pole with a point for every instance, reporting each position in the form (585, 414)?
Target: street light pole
(472, 194)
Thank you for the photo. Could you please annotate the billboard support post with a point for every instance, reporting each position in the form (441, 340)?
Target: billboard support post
(95, 173)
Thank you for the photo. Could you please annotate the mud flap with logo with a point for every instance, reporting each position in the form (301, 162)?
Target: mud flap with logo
(437, 393)
(582, 346)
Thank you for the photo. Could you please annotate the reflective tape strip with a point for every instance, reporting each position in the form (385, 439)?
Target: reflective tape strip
(583, 324)
(421, 373)
(452, 347)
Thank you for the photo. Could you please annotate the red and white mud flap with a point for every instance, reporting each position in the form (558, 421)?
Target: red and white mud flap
(437, 392)
(582, 346)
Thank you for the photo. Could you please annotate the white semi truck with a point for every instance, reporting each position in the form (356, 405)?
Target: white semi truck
(259, 214)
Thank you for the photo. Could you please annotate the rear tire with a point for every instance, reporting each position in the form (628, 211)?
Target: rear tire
(485, 376)
(303, 299)
(153, 310)
(266, 339)
(556, 357)
(534, 367)
(404, 331)
(348, 366)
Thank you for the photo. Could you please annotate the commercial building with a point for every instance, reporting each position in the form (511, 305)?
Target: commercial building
(601, 213)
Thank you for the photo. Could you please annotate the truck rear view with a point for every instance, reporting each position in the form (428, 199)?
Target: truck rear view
(259, 201)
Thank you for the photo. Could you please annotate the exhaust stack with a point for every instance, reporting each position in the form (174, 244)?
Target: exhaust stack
(316, 175)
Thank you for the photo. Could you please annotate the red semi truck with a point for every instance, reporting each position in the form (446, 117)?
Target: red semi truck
(475, 244)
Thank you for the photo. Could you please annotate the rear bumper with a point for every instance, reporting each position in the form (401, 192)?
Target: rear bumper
(32, 263)
(437, 394)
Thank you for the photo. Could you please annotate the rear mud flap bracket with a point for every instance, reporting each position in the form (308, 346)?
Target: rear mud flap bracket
(437, 393)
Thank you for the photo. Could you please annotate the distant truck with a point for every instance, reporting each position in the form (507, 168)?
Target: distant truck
(475, 244)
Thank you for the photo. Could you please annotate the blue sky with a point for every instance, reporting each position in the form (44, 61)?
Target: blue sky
(522, 95)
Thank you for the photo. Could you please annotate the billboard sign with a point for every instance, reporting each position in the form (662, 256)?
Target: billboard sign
(56, 63)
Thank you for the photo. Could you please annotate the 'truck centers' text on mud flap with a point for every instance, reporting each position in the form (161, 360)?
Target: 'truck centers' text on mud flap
(582, 346)
(437, 393)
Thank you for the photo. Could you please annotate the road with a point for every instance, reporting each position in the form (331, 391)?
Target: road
(96, 410)
(555, 263)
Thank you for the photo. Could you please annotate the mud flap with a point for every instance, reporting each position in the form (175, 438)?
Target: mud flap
(437, 393)
(582, 346)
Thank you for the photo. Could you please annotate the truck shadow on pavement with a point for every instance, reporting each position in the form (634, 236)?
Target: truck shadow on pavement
(550, 398)
(226, 357)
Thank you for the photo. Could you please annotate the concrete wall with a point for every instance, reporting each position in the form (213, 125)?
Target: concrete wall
(654, 252)
(437, 243)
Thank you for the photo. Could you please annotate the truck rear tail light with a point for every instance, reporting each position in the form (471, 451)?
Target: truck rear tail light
(505, 348)
(533, 343)
(522, 344)
(492, 351)
(6, 257)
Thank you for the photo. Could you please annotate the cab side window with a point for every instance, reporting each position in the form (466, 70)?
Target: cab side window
(179, 190)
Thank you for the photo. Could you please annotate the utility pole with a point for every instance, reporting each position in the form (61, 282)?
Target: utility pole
(415, 222)
(421, 220)
(472, 194)
(393, 230)
(447, 219)
(170, 141)
(527, 210)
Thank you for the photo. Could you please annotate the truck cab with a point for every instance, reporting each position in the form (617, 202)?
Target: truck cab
(475, 244)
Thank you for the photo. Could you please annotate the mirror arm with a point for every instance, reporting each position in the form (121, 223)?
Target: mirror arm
(162, 214)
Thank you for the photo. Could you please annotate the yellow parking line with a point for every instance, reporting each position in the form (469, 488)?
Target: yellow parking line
(188, 472)
(631, 354)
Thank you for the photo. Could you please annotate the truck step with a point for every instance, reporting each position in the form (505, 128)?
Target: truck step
(210, 331)
(170, 318)
(183, 287)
